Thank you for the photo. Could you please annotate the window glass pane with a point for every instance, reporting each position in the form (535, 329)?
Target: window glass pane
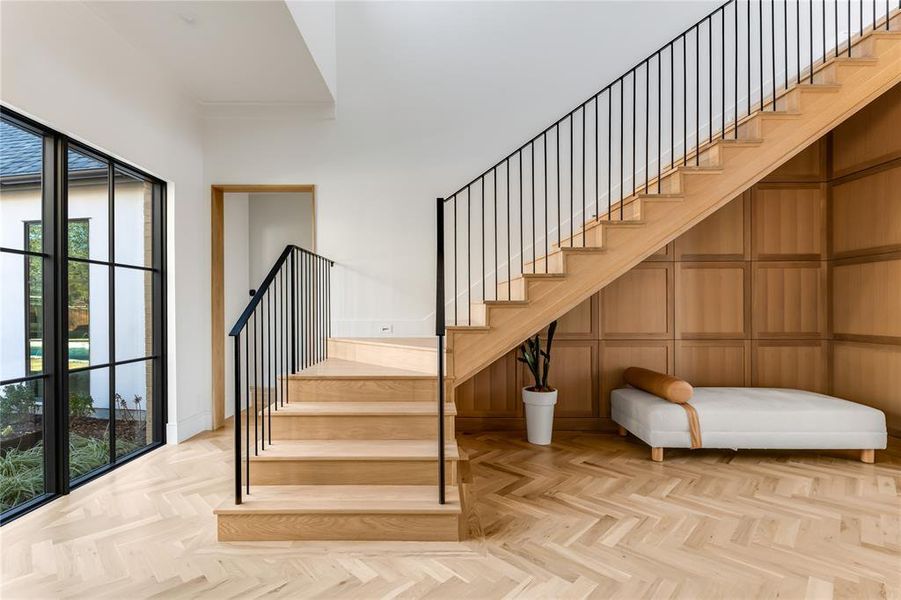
(134, 313)
(133, 220)
(21, 434)
(88, 421)
(34, 315)
(14, 315)
(88, 206)
(21, 164)
(88, 333)
(134, 406)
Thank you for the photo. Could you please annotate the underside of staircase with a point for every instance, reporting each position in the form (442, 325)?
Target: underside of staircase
(354, 449)
(607, 247)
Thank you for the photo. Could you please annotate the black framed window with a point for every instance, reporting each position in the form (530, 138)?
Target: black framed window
(88, 392)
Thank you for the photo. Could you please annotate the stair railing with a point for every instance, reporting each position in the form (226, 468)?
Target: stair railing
(284, 328)
(594, 161)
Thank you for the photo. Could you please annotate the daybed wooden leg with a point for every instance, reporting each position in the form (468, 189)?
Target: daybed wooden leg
(868, 456)
(657, 454)
(620, 430)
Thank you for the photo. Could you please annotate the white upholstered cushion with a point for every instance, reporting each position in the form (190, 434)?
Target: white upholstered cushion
(752, 418)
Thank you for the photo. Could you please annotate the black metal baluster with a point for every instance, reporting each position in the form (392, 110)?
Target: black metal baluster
(583, 219)
(609, 150)
(238, 419)
(559, 219)
(647, 124)
(684, 100)
(835, 10)
(810, 23)
(494, 199)
(468, 256)
(735, 116)
(622, 155)
(440, 326)
(246, 418)
(798, 38)
(597, 162)
(456, 312)
(634, 77)
(532, 198)
(659, 121)
(572, 134)
(760, 46)
(482, 195)
(773, 48)
(509, 234)
(522, 243)
(748, 26)
(547, 229)
(256, 386)
(723, 73)
(269, 371)
(785, 40)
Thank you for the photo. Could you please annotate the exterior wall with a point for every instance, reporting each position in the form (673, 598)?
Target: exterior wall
(865, 237)
(133, 317)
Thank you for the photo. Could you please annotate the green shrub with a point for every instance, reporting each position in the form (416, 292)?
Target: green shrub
(18, 401)
(80, 405)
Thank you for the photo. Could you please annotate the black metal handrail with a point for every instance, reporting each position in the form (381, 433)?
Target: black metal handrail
(286, 326)
(591, 163)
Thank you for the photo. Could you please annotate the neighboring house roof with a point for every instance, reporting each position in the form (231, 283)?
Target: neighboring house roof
(20, 154)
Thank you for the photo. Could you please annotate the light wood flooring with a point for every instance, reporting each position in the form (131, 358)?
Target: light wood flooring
(590, 516)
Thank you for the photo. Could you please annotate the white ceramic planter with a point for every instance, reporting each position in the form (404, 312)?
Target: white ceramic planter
(539, 415)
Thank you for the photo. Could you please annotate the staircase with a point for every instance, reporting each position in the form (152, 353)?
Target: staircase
(339, 439)
(353, 454)
(632, 228)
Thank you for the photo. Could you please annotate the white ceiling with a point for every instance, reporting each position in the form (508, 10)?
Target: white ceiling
(224, 51)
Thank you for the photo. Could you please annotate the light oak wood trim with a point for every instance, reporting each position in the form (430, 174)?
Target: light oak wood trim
(868, 456)
(217, 284)
(657, 454)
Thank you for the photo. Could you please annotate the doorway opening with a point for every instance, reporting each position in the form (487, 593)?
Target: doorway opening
(251, 225)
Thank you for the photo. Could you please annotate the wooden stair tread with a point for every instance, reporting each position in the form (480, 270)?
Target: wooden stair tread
(338, 368)
(361, 409)
(344, 499)
(355, 450)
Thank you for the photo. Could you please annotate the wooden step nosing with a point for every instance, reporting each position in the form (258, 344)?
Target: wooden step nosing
(450, 508)
(449, 411)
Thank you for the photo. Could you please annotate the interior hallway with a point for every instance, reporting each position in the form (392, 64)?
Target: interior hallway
(590, 516)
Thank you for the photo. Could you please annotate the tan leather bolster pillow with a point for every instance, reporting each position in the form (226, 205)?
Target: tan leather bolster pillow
(662, 385)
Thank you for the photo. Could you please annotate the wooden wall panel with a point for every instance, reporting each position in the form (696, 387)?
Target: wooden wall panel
(866, 213)
(494, 392)
(721, 236)
(574, 371)
(580, 322)
(616, 356)
(809, 165)
(710, 300)
(714, 363)
(871, 374)
(789, 221)
(789, 300)
(866, 298)
(870, 137)
(638, 304)
(791, 364)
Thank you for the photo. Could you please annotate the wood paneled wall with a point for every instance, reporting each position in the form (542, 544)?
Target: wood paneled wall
(796, 283)
(865, 269)
(738, 300)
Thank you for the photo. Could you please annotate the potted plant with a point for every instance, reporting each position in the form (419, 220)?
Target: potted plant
(539, 398)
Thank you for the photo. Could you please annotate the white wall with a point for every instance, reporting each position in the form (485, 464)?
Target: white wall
(276, 220)
(431, 93)
(64, 66)
(316, 22)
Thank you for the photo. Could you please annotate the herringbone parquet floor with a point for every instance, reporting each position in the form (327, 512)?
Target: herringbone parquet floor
(589, 517)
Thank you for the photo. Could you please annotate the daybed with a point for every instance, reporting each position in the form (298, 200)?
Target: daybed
(736, 417)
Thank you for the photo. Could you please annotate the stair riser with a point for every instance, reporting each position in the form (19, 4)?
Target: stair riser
(362, 390)
(359, 427)
(347, 472)
(358, 527)
(396, 357)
